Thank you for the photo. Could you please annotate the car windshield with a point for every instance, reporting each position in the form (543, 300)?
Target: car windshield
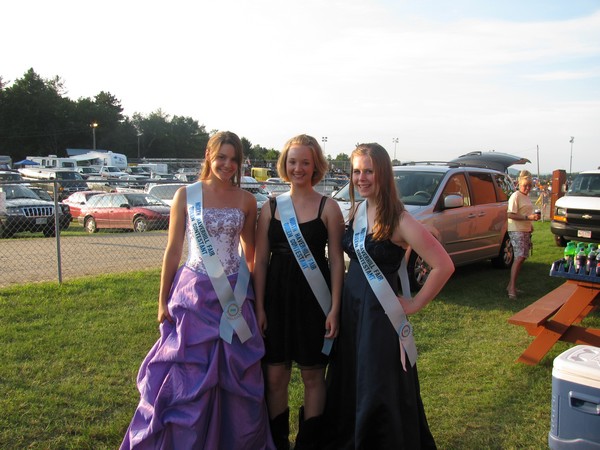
(68, 176)
(112, 169)
(10, 177)
(144, 200)
(16, 191)
(585, 185)
(415, 187)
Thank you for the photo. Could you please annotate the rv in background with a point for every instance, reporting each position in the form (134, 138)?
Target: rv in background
(156, 168)
(54, 162)
(5, 162)
(98, 159)
(68, 180)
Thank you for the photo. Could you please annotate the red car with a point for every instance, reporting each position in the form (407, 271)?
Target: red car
(137, 212)
(77, 200)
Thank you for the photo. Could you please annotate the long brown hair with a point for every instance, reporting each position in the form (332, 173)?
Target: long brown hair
(389, 206)
(212, 149)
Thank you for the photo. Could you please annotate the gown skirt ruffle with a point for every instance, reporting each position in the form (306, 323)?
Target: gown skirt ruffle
(197, 391)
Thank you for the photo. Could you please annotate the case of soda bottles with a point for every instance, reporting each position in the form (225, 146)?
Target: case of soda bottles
(580, 262)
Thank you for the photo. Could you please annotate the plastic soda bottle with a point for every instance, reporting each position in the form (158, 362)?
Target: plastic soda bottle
(591, 247)
(569, 255)
(580, 261)
(590, 266)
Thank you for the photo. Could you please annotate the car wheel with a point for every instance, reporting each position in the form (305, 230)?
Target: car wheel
(560, 241)
(418, 271)
(507, 255)
(90, 225)
(140, 224)
(49, 232)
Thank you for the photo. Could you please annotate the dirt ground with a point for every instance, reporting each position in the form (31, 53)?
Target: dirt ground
(25, 260)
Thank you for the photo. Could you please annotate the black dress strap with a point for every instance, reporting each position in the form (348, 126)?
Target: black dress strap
(321, 206)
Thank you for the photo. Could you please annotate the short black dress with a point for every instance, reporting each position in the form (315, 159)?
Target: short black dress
(372, 403)
(295, 320)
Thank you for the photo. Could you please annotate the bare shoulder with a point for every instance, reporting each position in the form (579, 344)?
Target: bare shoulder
(332, 208)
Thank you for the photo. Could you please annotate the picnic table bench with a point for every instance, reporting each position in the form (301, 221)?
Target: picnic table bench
(555, 317)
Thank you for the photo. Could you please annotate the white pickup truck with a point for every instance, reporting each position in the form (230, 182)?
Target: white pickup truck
(111, 172)
(576, 216)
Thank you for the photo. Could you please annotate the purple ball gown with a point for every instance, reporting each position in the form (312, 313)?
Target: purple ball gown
(197, 391)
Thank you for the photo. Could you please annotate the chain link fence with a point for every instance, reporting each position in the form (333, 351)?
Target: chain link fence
(42, 239)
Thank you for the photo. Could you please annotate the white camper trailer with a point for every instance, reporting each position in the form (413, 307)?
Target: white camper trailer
(54, 162)
(99, 159)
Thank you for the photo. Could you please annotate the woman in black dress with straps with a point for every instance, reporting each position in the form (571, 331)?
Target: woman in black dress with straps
(291, 317)
(373, 397)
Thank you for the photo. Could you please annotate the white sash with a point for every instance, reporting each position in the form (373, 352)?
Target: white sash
(230, 301)
(305, 258)
(382, 289)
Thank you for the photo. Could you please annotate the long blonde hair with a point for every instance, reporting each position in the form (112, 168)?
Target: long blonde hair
(389, 206)
(212, 149)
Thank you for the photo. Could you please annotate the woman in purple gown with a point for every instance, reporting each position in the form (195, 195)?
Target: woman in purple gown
(201, 384)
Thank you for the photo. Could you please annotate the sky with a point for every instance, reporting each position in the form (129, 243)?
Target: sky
(443, 78)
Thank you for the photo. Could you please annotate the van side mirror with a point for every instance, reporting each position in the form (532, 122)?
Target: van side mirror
(452, 201)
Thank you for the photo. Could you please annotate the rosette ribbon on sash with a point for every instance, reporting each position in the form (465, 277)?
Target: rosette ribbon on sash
(231, 301)
(382, 289)
(305, 259)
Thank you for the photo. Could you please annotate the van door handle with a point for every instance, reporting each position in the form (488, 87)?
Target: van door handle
(471, 216)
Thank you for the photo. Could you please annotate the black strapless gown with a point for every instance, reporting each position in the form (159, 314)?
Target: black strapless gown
(372, 403)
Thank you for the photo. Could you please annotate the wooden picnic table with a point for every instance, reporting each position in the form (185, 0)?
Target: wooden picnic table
(556, 316)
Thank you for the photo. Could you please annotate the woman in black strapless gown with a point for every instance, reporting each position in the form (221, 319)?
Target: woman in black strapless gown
(372, 402)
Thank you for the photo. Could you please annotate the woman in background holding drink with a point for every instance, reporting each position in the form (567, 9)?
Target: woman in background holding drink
(520, 216)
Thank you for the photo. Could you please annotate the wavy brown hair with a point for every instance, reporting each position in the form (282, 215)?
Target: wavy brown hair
(389, 206)
(212, 149)
(320, 162)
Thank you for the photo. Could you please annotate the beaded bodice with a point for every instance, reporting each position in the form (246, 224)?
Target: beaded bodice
(224, 226)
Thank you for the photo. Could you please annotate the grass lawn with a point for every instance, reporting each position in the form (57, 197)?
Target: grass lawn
(70, 354)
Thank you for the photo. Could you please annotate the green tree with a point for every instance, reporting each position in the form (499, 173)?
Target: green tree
(32, 117)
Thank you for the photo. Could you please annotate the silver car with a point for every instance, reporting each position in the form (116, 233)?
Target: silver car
(464, 207)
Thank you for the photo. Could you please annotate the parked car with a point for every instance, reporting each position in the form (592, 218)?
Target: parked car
(464, 207)
(165, 192)
(78, 200)
(136, 170)
(252, 185)
(111, 172)
(186, 177)
(87, 171)
(9, 175)
(137, 212)
(577, 214)
(23, 210)
(275, 187)
(261, 199)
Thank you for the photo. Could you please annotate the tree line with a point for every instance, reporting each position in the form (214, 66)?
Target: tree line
(38, 119)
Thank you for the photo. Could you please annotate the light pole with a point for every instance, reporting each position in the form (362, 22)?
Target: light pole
(94, 125)
(324, 140)
(395, 141)
(571, 159)
(139, 135)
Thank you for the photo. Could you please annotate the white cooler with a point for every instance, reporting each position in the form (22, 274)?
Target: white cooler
(575, 418)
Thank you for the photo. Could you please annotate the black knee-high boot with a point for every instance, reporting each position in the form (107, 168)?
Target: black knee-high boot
(309, 432)
(280, 430)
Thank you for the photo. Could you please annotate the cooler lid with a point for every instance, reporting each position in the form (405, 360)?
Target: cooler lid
(581, 360)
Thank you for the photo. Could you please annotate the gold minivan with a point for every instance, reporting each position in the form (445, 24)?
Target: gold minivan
(464, 206)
